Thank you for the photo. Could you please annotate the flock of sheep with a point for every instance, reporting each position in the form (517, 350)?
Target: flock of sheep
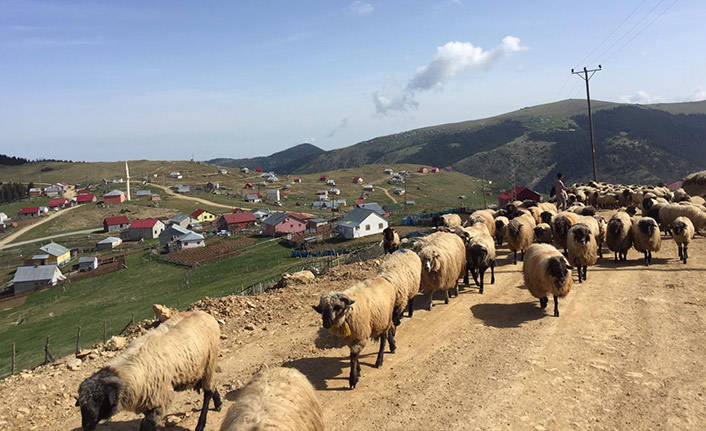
(181, 353)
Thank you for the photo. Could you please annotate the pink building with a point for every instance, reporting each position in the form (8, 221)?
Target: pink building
(279, 224)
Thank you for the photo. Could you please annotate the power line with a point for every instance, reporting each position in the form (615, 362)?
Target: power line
(643, 29)
(586, 78)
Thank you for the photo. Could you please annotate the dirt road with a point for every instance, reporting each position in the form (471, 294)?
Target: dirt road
(46, 238)
(627, 353)
(191, 198)
(8, 239)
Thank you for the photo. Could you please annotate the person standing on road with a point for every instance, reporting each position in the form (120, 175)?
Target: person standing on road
(560, 190)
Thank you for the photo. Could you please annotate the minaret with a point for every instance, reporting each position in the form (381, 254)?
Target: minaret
(127, 179)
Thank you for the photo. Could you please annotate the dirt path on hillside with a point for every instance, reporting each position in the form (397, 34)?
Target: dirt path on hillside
(389, 195)
(627, 353)
(51, 237)
(8, 239)
(191, 198)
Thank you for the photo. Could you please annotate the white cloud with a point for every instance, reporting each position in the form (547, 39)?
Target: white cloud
(451, 60)
(644, 98)
(360, 7)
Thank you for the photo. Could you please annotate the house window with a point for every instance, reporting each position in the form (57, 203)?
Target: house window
(380, 226)
(367, 227)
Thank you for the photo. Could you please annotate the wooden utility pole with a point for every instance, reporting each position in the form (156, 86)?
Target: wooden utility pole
(586, 78)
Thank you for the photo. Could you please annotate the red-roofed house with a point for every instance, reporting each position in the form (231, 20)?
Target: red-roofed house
(86, 198)
(676, 185)
(357, 180)
(448, 169)
(81, 192)
(282, 224)
(145, 229)
(115, 224)
(236, 221)
(359, 201)
(520, 194)
(56, 204)
(323, 177)
(301, 217)
(29, 212)
(423, 170)
(435, 170)
(114, 197)
(297, 179)
(203, 216)
(248, 186)
(258, 170)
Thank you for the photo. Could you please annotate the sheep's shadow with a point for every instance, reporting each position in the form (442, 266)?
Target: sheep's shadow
(131, 425)
(324, 340)
(508, 315)
(321, 370)
(611, 263)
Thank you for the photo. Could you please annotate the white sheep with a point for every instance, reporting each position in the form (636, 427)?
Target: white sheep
(619, 235)
(443, 258)
(501, 223)
(480, 255)
(275, 399)
(546, 272)
(177, 355)
(668, 213)
(520, 234)
(646, 237)
(582, 248)
(695, 184)
(369, 319)
(484, 216)
(391, 240)
(683, 233)
(449, 220)
(543, 233)
(403, 269)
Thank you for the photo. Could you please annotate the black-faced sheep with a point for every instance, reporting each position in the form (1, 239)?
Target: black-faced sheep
(543, 233)
(546, 272)
(520, 235)
(358, 314)
(403, 269)
(443, 262)
(582, 247)
(619, 235)
(561, 224)
(275, 398)
(177, 355)
(547, 217)
(501, 223)
(646, 237)
(683, 233)
(480, 255)
(390, 240)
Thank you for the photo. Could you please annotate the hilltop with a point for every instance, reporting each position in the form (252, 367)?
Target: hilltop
(634, 144)
(301, 153)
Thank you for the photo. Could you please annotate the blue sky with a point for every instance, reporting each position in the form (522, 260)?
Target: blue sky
(99, 80)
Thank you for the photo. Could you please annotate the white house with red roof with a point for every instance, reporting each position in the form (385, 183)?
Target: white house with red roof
(145, 229)
(116, 224)
(85, 198)
(57, 204)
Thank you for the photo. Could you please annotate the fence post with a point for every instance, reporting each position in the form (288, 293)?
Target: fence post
(132, 319)
(78, 340)
(48, 358)
(105, 332)
(12, 370)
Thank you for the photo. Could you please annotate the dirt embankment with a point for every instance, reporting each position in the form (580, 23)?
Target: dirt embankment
(627, 353)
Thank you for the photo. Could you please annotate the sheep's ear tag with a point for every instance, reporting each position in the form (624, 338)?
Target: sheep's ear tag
(341, 331)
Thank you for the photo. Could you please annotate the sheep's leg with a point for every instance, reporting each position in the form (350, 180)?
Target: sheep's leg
(615, 256)
(474, 272)
(201, 425)
(522, 258)
(686, 255)
(391, 340)
(492, 273)
(465, 275)
(149, 423)
(600, 251)
(585, 272)
(556, 306)
(446, 296)
(481, 276)
(681, 255)
(355, 370)
(217, 403)
(431, 301)
(411, 308)
(514, 258)
(543, 302)
(381, 352)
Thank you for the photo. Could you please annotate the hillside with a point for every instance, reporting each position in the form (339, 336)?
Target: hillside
(662, 142)
(301, 154)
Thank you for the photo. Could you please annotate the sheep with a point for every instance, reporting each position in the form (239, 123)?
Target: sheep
(501, 223)
(484, 216)
(543, 233)
(583, 210)
(683, 233)
(370, 319)
(668, 213)
(582, 247)
(403, 269)
(443, 262)
(548, 206)
(480, 255)
(275, 398)
(547, 217)
(520, 235)
(619, 235)
(561, 224)
(607, 200)
(646, 237)
(449, 220)
(598, 227)
(391, 240)
(535, 212)
(546, 271)
(680, 195)
(698, 200)
(695, 184)
(177, 355)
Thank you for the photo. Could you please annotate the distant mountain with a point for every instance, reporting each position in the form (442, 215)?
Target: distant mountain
(301, 154)
(634, 144)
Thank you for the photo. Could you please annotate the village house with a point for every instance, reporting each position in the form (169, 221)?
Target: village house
(223, 171)
(297, 179)
(434, 170)
(399, 191)
(368, 188)
(203, 216)
(272, 179)
(3, 217)
(171, 233)
(323, 177)
(322, 195)
(272, 195)
(253, 197)
(183, 220)
(262, 184)
(316, 224)
(258, 170)
(114, 197)
(331, 182)
(108, 243)
(29, 278)
(85, 198)
(448, 169)
(374, 206)
(181, 188)
(517, 193)
(244, 170)
(87, 263)
(396, 179)
(57, 204)
(334, 191)
(35, 192)
(82, 192)
(248, 186)
(190, 240)
(236, 221)
(58, 254)
(145, 229)
(282, 224)
(357, 180)
(51, 191)
(212, 186)
(38, 259)
(143, 194)
(361, 222)
(260, 212)
(423, 170)
(388, 171)
(175, 175)
(116, 223)
(29, 212)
